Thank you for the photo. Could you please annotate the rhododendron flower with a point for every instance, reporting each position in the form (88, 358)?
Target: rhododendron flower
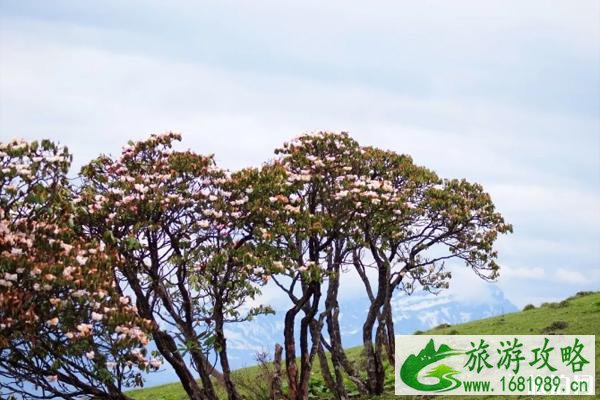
(141, 188)
(81, 260)
(341, 194)
(79, 293)
(97, 316)
(84, 329)
(11, 277)
(291, 208)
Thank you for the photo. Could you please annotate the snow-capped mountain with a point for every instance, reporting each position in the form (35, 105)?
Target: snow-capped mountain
(411, 313)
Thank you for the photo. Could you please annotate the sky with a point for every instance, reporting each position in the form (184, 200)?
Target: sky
(503, 93)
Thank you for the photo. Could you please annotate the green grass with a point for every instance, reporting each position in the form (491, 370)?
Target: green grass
(579, 314)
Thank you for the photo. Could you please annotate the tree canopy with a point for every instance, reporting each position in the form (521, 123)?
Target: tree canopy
(63, 326)
(161, 245)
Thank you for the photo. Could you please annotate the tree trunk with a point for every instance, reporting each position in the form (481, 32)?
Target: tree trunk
(276, 391)
(390, 335)
(201, 364)
(221, 343)
(290, 353)
(306, 325)
(164, 342)
(166, 346)
(325, 372)
(380, 339)
(375, 371)
(338, 356)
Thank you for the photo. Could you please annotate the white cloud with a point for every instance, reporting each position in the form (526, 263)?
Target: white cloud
(522, 272)
(537, 246)
(428, 81)
(563, 206)
(574, 277)
(467, 287)
(560, 275)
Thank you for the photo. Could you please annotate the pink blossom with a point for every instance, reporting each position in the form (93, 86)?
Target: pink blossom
(81, 260)
(11, 277)
(97, 316)
(84, 329)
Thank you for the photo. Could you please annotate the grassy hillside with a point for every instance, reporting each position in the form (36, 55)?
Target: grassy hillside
(579, 314)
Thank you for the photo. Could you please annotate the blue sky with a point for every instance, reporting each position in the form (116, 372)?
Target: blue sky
(505, 93)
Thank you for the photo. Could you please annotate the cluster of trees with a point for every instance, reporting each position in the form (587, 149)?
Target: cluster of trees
(163, 246)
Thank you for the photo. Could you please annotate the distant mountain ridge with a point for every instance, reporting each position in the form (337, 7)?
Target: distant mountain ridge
(411, 313)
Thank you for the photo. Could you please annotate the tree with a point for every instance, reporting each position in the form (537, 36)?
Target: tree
(179, 224)
(375, 209)
(411, 223)
(191, 245)
(64, 329)
(310, 232)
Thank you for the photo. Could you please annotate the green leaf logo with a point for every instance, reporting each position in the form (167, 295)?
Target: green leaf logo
(413, 365)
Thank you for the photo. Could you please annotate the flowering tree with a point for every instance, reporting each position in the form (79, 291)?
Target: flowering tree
(64, 329)
(180, 227)
(342, 204)
(311, 232)
(163, 242)
(411, 223)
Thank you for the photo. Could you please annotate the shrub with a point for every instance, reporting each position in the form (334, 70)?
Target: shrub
(554, 326)
(582, 293)
(257, 387)
(529, 307)
(442, 326)
(561, 304)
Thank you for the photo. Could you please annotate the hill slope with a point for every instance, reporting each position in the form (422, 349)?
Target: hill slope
(581, 313)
